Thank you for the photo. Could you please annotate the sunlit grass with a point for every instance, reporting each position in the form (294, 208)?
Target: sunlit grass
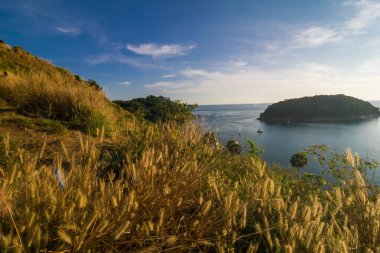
(37, 88)
(165, 188)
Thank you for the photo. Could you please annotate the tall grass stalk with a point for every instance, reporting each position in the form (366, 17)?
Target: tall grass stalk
(163, 188)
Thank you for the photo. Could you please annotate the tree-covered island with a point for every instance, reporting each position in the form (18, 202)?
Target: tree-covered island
(320, 108)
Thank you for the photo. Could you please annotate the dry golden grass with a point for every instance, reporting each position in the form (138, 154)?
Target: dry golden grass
(37, 88)
(168, 191)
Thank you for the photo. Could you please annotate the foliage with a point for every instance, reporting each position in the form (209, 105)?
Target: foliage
(254, 150)
(335, 107)
(299, 160)
(159, 109)
(210, 137)
(234, 147)
(94, 84)
(338, 165)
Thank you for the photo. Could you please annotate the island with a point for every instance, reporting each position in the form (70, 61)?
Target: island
(320, 108)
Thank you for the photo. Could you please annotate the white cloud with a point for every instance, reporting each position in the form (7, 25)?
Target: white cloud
(168, 76)
(157, 51)
(366, 15)
(160, 85)
(238, 63)
(369, 14)
(68, 30)
(316, 36)
(199, 73)
(125, 83)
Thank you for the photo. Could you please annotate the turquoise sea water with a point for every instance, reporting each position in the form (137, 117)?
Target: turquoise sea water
(281, 140)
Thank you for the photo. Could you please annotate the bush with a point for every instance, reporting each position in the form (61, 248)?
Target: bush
(94, 84)
(299, 160)
(234, 147)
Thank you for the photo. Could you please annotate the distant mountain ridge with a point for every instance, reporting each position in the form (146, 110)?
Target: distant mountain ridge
(320, 108)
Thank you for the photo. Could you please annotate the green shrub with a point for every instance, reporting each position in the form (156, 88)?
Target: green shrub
(234, 147)
(254, 150)
(299, 160)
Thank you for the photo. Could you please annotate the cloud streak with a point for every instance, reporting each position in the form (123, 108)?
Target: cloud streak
(168, 76)
(160, 85)
(117, 57)
(125, 83)
(316, 36)
(157, 51)
(68, 30)
(369, 14)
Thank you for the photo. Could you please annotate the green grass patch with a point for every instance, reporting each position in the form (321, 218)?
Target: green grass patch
(38, 124)
(4, 105)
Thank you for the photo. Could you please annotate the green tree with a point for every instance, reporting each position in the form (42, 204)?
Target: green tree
(159, 109)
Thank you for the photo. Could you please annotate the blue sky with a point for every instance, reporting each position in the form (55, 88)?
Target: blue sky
(206, 51)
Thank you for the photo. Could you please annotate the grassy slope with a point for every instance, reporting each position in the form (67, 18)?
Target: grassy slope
(36, 88)
(162, 188)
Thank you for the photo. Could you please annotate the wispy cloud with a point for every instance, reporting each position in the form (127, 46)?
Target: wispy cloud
(168, 76)
(369, 14)
(125, 83)
(160, 85)
(68, 30)
(316, 36)
(238, 63)
(118, 57)
(157, 51)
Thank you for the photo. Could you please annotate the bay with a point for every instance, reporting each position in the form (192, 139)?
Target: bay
(281, 140)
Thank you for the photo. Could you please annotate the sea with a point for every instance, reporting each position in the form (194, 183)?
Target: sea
(281, 140)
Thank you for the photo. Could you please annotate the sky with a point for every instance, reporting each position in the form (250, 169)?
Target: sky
(206, 51)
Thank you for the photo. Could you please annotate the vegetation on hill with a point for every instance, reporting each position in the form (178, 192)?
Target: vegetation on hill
(323, 107)
(158, 109)
(36, 88)
(161, 187)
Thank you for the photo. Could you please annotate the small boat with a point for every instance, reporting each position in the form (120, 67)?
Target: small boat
(260, 131)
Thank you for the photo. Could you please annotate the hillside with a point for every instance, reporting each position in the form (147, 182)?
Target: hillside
(320, 108)
(33, 87)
